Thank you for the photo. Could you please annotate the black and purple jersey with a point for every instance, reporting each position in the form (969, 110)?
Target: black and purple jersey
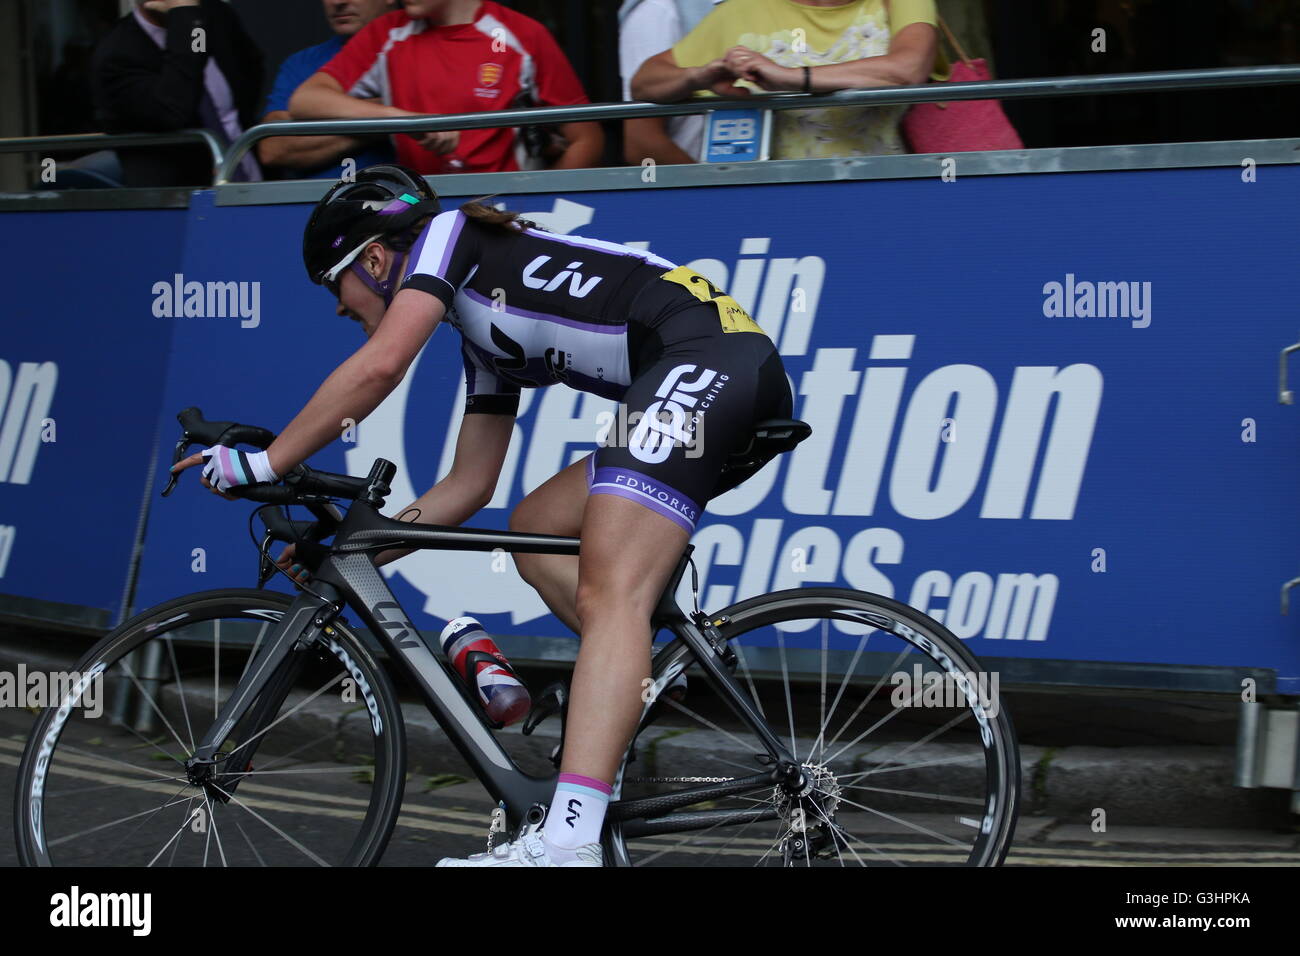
(533, 308)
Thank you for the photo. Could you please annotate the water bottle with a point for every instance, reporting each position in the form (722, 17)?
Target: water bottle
(477, 659)
(676, 689)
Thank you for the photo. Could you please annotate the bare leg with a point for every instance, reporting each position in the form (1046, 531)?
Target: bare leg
(628, 552)
(554, 507)
(606, 596)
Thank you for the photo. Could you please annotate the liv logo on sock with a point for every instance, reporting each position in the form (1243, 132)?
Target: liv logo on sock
(579, 804)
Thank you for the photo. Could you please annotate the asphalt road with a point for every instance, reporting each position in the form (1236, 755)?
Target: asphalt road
(279, 822)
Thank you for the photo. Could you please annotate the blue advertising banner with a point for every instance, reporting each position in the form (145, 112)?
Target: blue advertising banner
(1044, 407)
(82, 364)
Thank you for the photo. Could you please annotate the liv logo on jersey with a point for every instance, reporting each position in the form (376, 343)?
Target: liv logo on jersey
(578, 287)
(557, 363)
(512, 366)
(672, 420)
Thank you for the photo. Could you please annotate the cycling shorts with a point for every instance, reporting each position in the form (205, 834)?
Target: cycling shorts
(703, 373)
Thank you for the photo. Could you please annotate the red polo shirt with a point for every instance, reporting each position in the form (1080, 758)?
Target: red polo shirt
(463, 68)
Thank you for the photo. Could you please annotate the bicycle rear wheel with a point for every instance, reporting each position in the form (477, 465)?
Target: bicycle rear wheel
(312, 776)
(909, 756)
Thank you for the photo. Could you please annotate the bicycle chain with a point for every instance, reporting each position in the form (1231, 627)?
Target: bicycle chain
(679, 779)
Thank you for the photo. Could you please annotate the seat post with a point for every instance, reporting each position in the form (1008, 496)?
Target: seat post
(667, 608)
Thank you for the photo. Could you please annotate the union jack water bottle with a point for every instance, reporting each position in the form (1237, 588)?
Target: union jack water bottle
(477, 659)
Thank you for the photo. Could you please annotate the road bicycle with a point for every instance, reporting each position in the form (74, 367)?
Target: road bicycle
(256, 727)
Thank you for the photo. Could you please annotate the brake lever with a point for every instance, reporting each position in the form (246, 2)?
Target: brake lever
(181, 445)
(265, 566)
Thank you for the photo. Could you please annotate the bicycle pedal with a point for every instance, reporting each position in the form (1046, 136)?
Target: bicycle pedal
(553, 699)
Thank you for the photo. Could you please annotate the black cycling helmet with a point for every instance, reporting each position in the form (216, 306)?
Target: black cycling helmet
(381, 201)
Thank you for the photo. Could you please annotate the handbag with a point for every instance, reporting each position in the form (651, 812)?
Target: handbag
(960, 125)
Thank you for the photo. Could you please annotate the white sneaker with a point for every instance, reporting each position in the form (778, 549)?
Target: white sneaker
(528, 850)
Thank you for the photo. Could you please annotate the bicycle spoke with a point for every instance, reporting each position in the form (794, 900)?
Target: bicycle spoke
(777, 843)
(913, 826)
(297, 707)
(290, 840)
(827, 822)
(109, 786)
(821, 699)
(844, 683)
(917, 793)
(120, 820)
(121, 809)
(739, 835)
(92, 757)
(694, 835)
(350, 768)
(928, 737)
(840, 697)
(845, 835)
(252, 655)
(284, 757)
(215, 832)
(251, 846)
(189, 812)
(868, 699)
(749, 679)
(207, 832)
(911, 766)
(880, 723)
(149, 698)
(175, 836)
(704, 720)
(785, 683)
(180, 689)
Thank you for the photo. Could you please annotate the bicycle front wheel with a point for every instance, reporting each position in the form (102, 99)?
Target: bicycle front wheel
(312, 776)
(908, 754)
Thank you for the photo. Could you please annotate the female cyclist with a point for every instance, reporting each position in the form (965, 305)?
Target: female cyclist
(534, 309)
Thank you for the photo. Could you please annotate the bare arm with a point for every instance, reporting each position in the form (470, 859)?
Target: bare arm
(355, 388)
(480, 451)
(586, 143)
(908, 62)
(661, 80)
(322, 97)
(648, 138)
(303, 152)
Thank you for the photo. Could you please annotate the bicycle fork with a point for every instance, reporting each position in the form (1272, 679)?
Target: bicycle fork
(258, 696)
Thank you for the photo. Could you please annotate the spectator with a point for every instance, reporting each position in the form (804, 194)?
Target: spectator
(644, 28)
(172, 65)
(318, 156)
(814, 45)
(452, 56)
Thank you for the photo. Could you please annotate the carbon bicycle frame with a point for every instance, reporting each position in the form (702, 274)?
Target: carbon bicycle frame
(348, 577)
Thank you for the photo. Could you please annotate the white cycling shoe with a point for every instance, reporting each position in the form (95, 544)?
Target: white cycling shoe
(528, 850)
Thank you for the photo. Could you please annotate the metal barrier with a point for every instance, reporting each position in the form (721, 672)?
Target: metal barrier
(23, 144)
(225, 165)
(924, 93)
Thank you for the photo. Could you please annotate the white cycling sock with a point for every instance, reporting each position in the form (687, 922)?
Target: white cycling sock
(576, 815)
